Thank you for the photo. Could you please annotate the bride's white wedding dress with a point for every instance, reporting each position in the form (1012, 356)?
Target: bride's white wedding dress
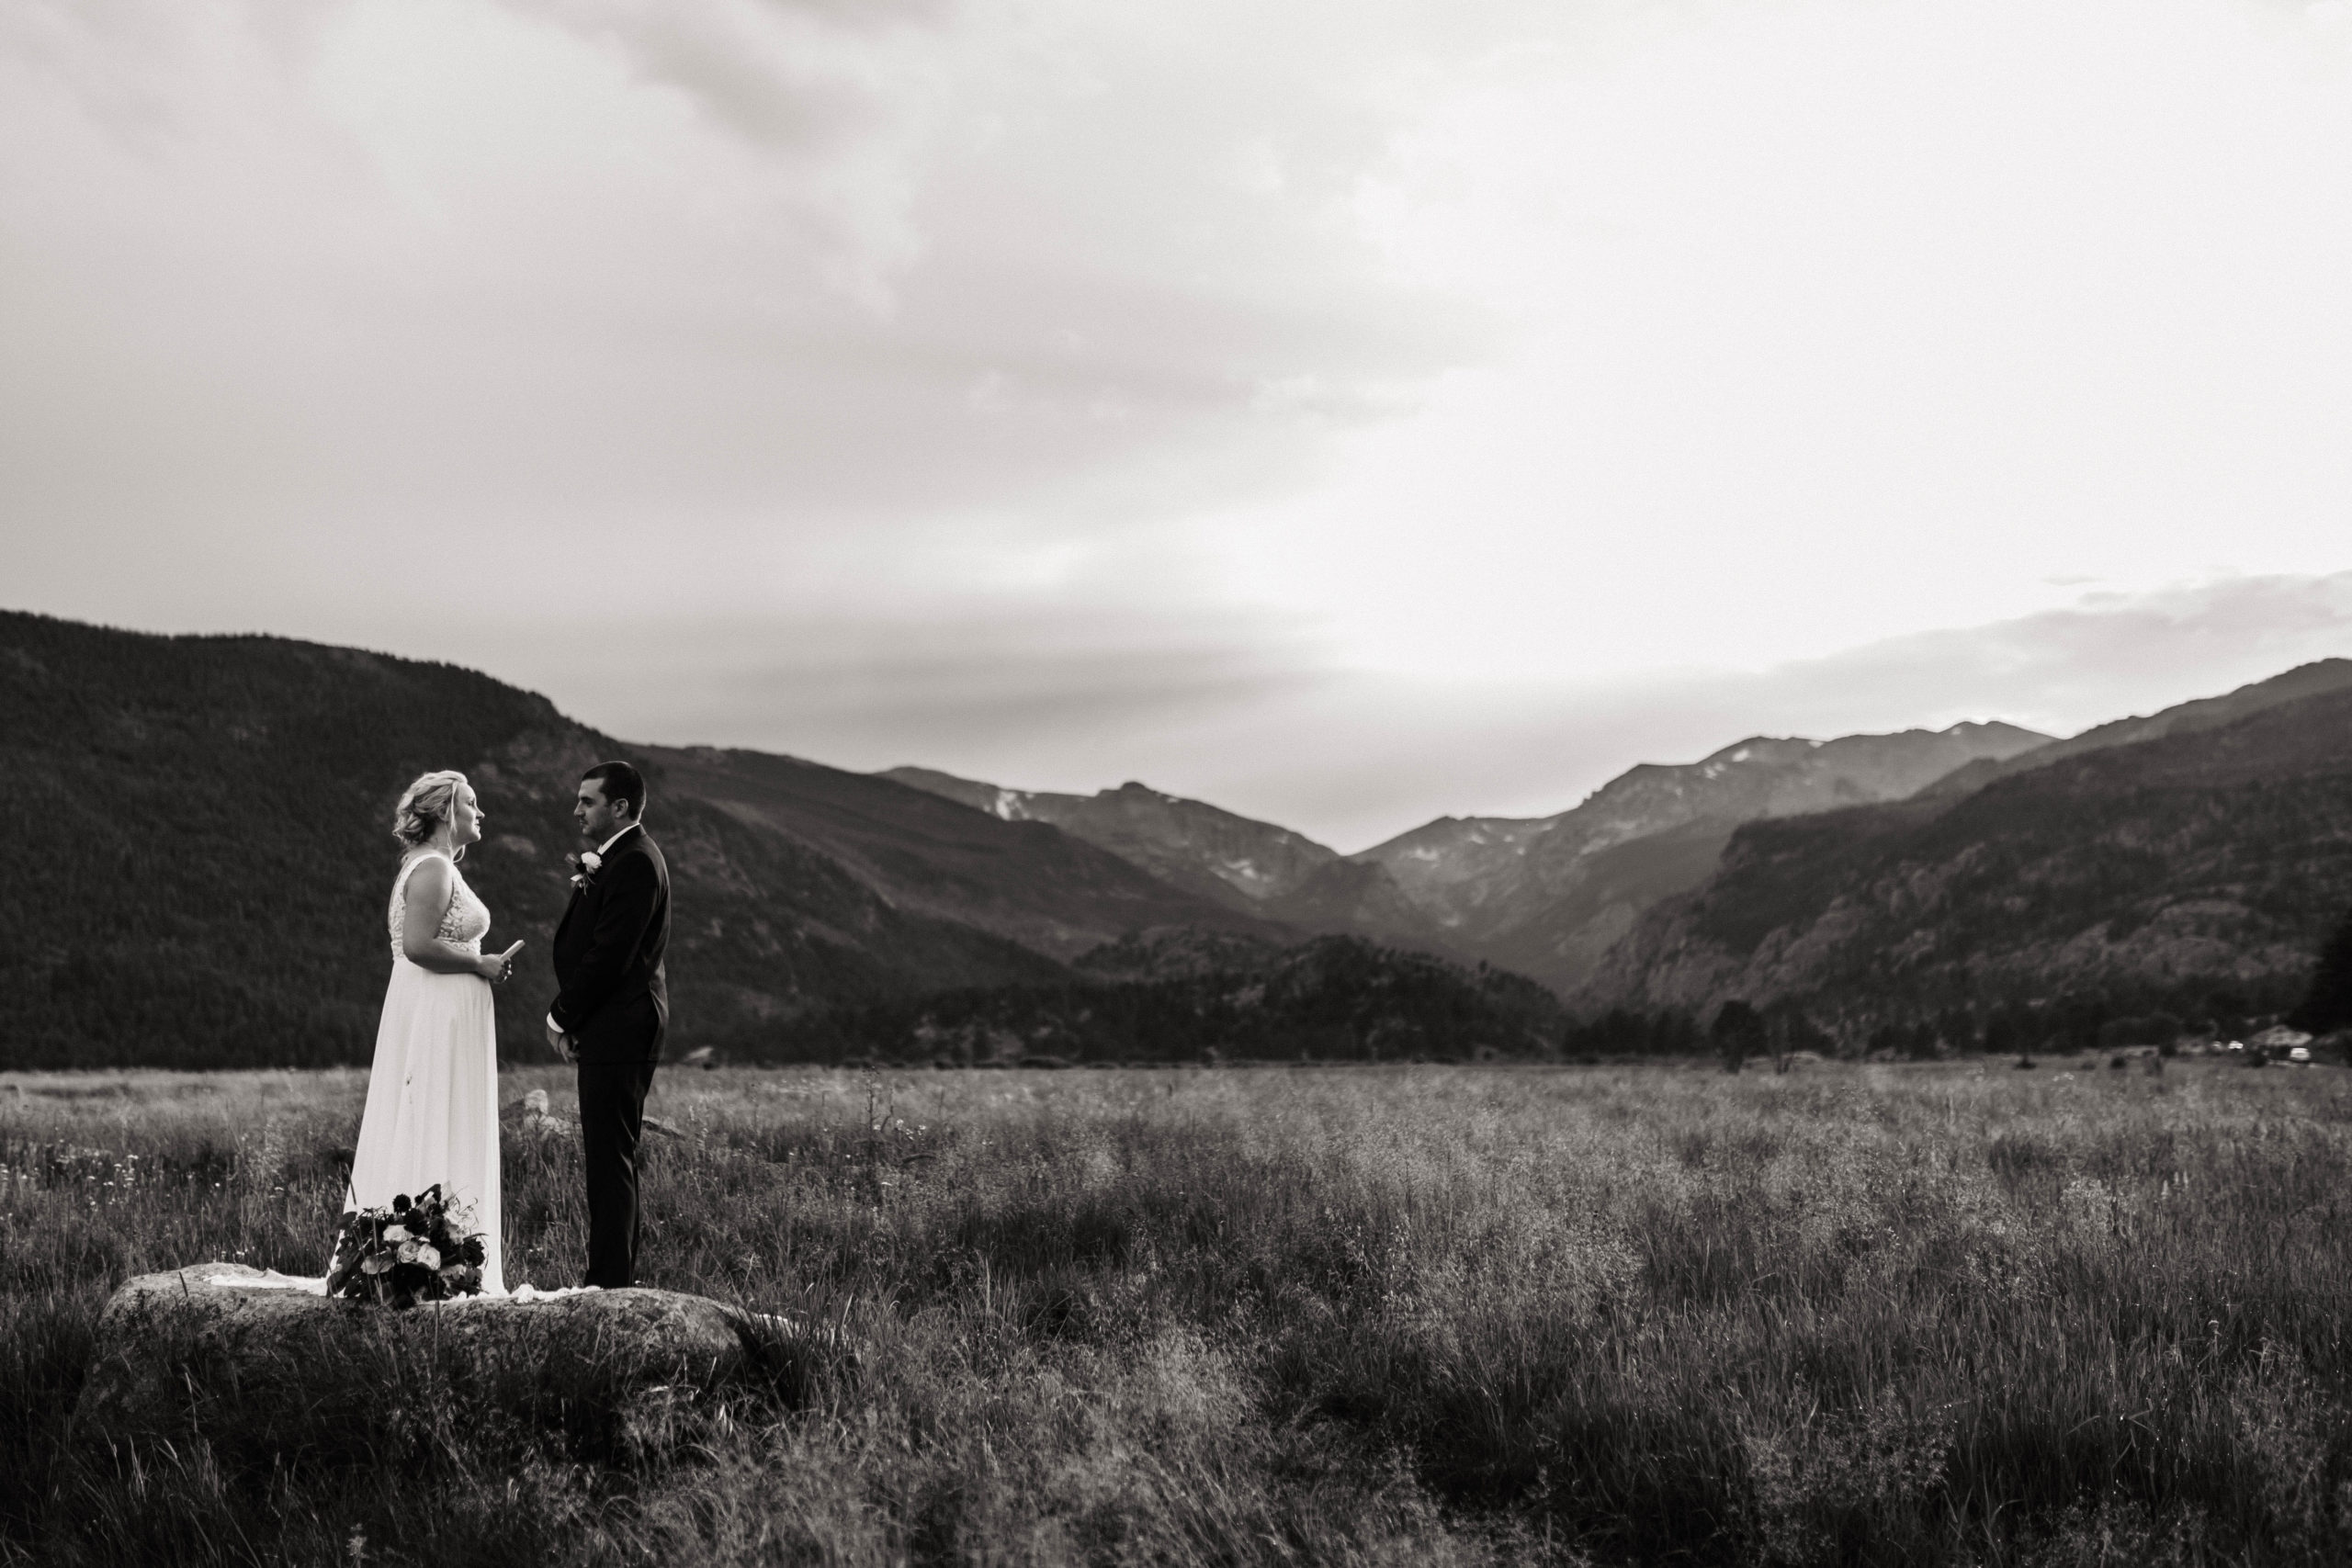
(433, 1093)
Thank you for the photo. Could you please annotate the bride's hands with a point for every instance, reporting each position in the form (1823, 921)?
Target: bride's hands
(497, 967)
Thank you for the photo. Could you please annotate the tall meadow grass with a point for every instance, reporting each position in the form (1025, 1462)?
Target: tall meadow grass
(1941, 1314)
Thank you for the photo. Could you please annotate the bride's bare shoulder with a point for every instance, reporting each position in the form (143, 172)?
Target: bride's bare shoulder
(428, 876)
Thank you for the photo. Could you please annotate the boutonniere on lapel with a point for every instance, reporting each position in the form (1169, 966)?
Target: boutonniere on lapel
(584, 868)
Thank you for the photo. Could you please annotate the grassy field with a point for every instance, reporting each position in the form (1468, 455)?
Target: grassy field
(1941, 1314)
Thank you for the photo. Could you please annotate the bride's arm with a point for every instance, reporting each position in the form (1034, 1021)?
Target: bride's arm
(421, 905)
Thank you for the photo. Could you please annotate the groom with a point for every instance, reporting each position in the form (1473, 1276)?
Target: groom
(614, 1008)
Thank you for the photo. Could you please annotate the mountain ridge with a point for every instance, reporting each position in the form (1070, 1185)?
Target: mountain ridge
(1190, 843)
(207, 860)
(1526, 891)
(204, 827)
(2198, 861)
(1256, 867)
(2199, 713)
(1546, 896)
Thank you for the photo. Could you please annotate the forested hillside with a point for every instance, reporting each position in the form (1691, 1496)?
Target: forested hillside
(1547, 897)
(199, 855)
(2310, 680)
(2194, 874)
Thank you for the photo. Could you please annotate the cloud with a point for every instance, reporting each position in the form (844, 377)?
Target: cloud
(1346, 411)
(1000, 693)
(1831, 321)
(781, 75)
(2110, 654)
(544, 281)
(1530, 748)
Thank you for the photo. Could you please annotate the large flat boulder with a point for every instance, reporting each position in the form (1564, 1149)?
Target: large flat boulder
(252, 1359)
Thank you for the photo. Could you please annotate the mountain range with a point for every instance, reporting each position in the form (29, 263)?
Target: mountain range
(202, 846)
(1249, 865)
(1549, 895)
(202, 849)
(201, 852)
(2186, 860)
(1545, 896)
(2191, 862)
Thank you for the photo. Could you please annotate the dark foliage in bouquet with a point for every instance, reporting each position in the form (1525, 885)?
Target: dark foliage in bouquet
(415, 1251)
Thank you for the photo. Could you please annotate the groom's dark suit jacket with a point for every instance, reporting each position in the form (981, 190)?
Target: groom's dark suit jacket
(616, 998)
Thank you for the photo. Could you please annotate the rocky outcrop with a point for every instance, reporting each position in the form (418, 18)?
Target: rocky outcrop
(530, 1117)
(256, 1359)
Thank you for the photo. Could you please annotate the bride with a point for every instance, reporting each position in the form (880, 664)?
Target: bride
(433, 1093)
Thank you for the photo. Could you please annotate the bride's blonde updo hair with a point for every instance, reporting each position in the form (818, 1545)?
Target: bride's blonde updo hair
(426, 805)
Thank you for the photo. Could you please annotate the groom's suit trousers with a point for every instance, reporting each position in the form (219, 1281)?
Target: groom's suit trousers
(612, 1120)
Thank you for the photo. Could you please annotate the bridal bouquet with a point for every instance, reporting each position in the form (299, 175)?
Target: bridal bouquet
(412, 1252)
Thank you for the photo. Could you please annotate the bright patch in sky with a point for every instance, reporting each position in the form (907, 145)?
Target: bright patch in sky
(1827, 323)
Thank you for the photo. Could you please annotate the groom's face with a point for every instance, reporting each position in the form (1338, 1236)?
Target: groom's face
(599, 819)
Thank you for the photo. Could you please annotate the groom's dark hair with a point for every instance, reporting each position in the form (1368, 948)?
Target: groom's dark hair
(620, 782)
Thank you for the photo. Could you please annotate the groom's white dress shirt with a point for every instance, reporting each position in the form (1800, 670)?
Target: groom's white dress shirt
(616, 838)
(602, 850)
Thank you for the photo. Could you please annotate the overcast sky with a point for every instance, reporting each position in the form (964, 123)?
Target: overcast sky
(1349, 412)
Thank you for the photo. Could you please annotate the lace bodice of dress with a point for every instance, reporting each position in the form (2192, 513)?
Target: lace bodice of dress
(463, 924)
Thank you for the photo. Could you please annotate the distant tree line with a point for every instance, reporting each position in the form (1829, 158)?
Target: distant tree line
(1335, 998)
(2083, 1019)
